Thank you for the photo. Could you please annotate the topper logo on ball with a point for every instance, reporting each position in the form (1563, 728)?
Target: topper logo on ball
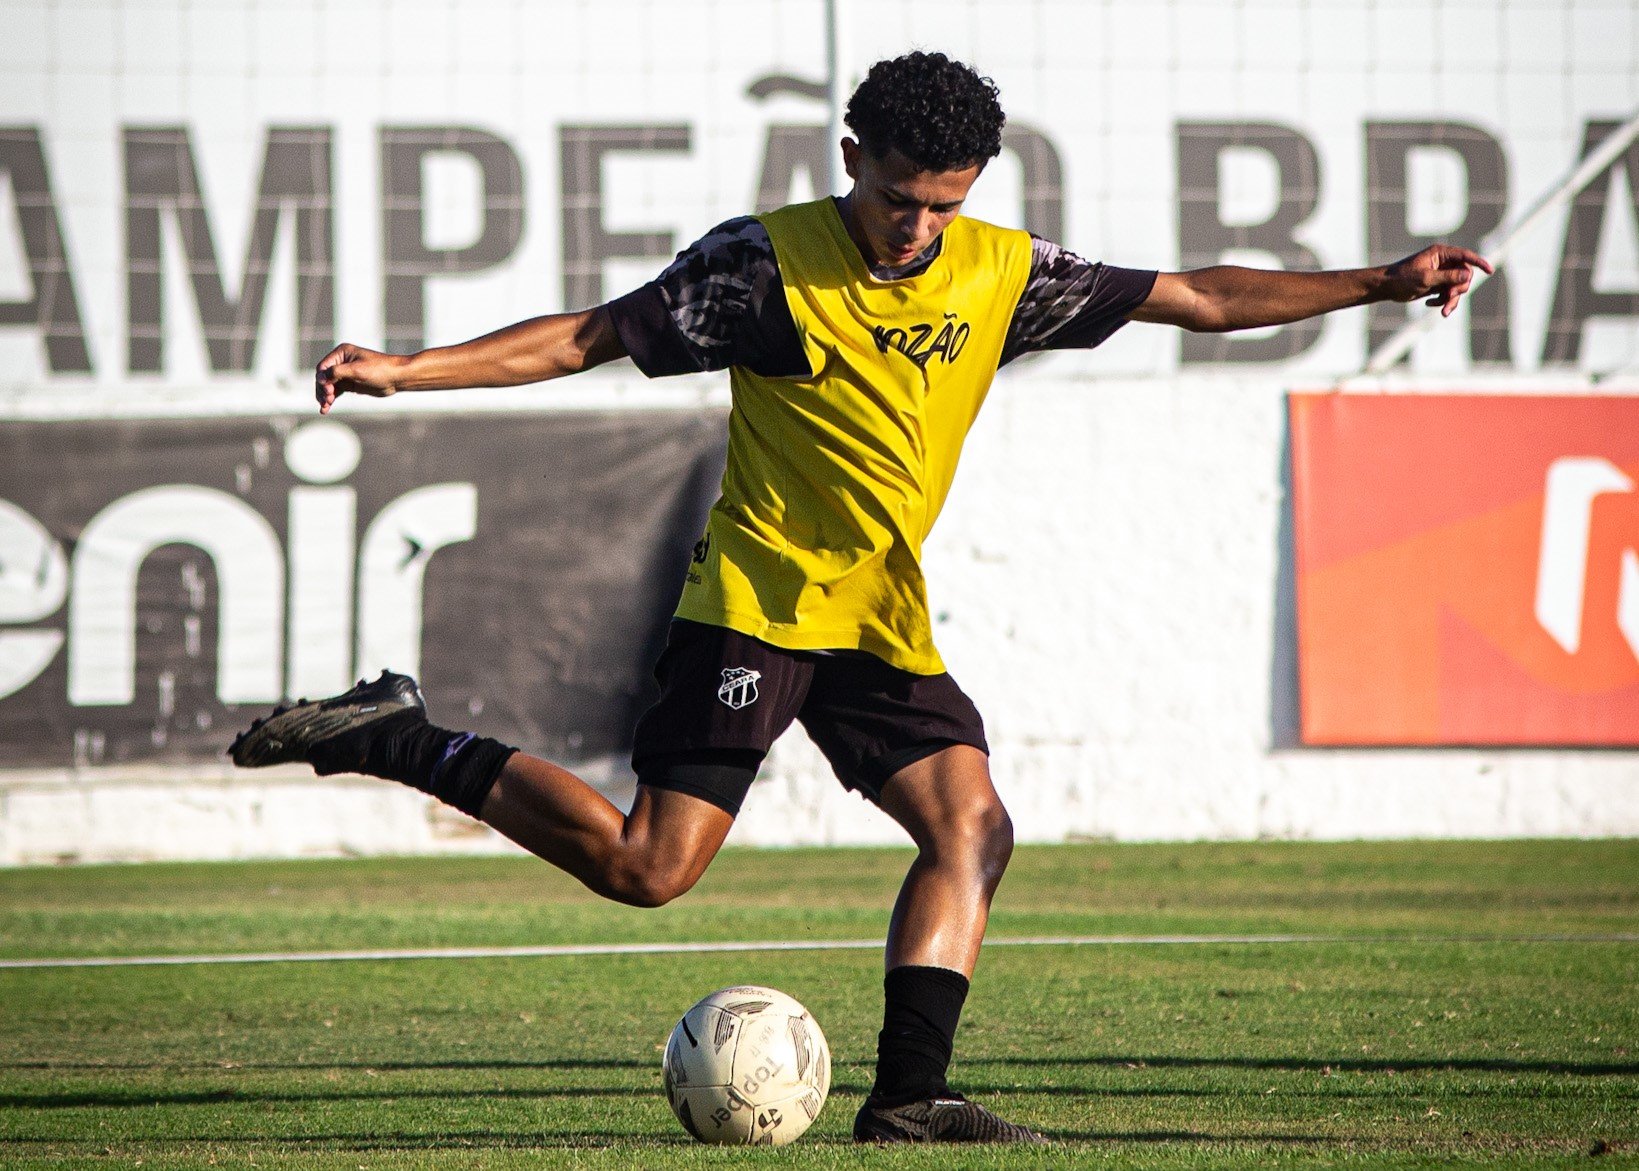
(771, 1103)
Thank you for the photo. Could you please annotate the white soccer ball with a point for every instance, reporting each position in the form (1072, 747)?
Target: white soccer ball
(747, 1065)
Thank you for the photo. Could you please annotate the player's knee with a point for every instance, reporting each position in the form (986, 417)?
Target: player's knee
(646, 881)
(983, 834)
(996, 838)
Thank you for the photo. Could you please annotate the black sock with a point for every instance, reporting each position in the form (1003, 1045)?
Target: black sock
(456, 767)
(918, 1030)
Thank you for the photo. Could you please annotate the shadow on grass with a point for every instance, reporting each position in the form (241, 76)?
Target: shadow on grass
(136, 1099)
(366, 1141)
(1109, 1061)
(1322, 1064)
(387, 1141)
(1188, 1136)
(370, 1066)
(373, 1142)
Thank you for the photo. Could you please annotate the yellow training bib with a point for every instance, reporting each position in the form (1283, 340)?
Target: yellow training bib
(835, 479)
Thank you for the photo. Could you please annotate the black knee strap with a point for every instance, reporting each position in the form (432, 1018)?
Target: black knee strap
(456, 767)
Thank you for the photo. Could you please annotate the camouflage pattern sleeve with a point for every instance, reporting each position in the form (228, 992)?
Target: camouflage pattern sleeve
(719, 304)
(1071, 303)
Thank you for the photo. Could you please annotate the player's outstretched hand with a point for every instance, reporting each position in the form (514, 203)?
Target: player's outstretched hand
(350, 369)
(1440, 272)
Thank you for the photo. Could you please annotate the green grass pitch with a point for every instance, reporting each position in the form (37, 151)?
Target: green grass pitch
(1438, 1032)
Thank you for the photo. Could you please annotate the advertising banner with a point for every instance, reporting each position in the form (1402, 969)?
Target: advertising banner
(162, 581)
(1467, 568)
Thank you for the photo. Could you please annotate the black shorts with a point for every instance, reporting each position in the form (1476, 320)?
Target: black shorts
(725, 697)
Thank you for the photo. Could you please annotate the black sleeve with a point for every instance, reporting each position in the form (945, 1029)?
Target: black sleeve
(719, 304)
(1071, 303)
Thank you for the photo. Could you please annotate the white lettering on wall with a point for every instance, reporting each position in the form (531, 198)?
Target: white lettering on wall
(102, 609)
(261, 656)
(33, 584)
(393, 566)
(323, 525)
(1573, 484)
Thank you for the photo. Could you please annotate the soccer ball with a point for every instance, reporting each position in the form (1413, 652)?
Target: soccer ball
(747, 1065)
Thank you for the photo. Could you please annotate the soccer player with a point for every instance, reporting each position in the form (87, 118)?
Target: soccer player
(861, 334)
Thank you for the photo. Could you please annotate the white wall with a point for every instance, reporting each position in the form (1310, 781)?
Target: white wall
(1109, 574)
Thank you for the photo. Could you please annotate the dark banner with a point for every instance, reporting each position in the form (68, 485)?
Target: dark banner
(162, 581)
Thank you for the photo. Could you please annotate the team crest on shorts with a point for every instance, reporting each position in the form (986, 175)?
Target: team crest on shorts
(739, 687)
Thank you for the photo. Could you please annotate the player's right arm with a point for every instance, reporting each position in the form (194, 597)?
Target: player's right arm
(720, 303)
(531, 351)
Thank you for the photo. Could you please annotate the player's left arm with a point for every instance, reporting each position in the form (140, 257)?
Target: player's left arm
(1225, 297)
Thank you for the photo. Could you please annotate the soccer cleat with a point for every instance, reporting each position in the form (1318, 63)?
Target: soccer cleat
(291, 733)
(949, 1118)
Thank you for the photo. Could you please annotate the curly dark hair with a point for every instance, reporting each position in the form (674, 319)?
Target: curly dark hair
(938, 113)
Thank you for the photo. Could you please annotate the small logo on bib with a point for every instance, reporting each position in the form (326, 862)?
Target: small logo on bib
(739, 687)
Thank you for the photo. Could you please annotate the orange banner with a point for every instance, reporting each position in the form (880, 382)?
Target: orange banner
(1467, 568)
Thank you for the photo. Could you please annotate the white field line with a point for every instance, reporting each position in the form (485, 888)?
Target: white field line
(618, 949)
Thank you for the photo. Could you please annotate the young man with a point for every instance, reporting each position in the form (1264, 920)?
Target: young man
(862, 334)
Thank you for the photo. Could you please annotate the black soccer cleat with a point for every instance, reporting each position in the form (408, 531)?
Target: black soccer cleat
(949, 1118)
(291, 733)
